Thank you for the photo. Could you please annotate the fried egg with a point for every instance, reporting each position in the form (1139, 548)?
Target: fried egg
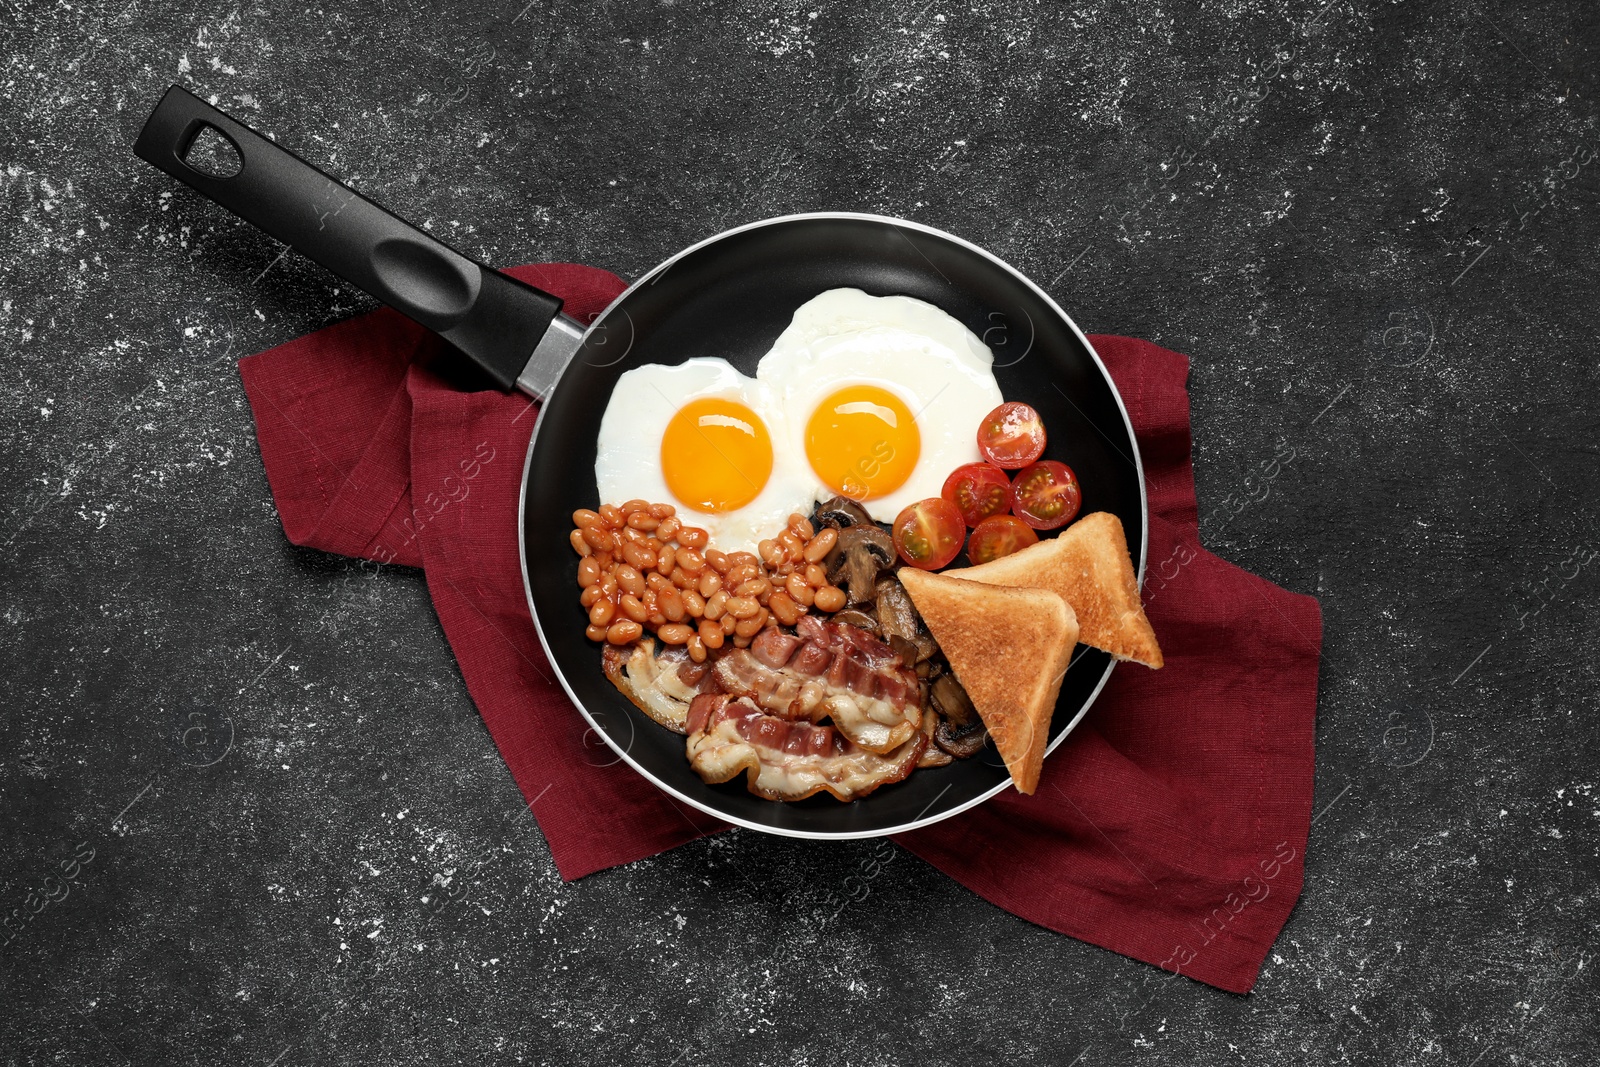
(881, 396)
(708, 440)
(877, 398)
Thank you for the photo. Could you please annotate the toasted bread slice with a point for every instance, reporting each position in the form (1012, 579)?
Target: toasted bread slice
(1009, 649)
(1088, 565)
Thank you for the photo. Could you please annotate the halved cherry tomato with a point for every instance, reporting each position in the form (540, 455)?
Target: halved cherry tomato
(999, 535)
(1011, 436)
(1046, 495)
(978, 490)
(928, 534)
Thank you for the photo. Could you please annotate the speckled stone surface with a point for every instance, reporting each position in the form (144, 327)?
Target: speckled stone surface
(232, 771)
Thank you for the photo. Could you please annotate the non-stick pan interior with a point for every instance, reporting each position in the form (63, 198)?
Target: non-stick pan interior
(731, 298)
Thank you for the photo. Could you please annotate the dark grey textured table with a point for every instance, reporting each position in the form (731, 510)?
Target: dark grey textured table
(1371, 225)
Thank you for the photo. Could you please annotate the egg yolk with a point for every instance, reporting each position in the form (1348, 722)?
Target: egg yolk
(862, 442)
(716, 455)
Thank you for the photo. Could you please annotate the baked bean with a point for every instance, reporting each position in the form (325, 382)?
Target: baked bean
(710, 633)
(675, 633)
(784, 609)
(821, 545)
(799, 591)
(642, 570)
(630, 580)
(742, 573)
(624, 632)
(755, 587)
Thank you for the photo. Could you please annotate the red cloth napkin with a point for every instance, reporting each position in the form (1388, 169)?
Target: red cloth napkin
(1170, 826)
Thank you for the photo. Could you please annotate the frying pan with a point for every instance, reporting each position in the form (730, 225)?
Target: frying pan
(728, 296)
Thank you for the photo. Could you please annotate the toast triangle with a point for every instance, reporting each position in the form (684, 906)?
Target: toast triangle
(1088, 566)
(1009, 649)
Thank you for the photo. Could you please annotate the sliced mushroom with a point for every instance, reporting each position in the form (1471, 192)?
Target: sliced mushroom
(856, 560)
(962, 744)
(896, 615)
(906, 650)
(841, 513)
(857, 618)
(927, 647)
(933, 755)
(952, 702)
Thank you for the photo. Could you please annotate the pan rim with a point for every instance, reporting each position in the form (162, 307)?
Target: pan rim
(654, 274)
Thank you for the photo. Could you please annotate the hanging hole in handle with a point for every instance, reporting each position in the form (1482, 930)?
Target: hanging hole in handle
(213, 153)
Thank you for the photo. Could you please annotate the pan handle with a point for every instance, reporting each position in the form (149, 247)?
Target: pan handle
(513, 331)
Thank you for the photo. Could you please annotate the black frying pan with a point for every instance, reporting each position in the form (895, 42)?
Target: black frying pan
(729, 296)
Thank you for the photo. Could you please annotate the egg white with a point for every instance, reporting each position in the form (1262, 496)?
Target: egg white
(628, 455)
(938, 367)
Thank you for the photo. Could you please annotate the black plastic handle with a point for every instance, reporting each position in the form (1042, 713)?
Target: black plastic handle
(495, 320)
